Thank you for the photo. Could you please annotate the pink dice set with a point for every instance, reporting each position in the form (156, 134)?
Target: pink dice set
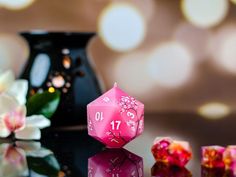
(115, 118)
(219, 157)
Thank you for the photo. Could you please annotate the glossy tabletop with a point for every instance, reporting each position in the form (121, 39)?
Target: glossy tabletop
(73, 153)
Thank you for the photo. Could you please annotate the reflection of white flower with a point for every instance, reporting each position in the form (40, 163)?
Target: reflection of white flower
(33, 149)
(16, 88)
(12, 161)
(13, 157)
(13, 120)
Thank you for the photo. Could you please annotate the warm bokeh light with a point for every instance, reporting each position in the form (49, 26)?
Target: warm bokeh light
(205, 13)
(214, 110)
(147, 7)
(195, 39)
(233, 1)
(129, 72)
(16, 4)
(170, 64)
(13, 48)
(228, 54)
(58, 81)
(223, 48)
(51, 89)
(121, 26)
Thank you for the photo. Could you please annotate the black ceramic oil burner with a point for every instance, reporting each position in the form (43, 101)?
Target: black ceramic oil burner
(59, 61)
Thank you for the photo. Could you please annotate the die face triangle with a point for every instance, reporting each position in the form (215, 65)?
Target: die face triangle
(112, 97)
(115, 118)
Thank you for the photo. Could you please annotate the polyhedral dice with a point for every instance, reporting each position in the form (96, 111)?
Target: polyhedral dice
(115, 163)
(115, 118)
(229, 158)
(166, 150)
(212, 156)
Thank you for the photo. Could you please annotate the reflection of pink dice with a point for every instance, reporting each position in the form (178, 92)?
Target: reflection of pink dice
(213, 172)
(115, 163)
(160, 169)
(115, 118)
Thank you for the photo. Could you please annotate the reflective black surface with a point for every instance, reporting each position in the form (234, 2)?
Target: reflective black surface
(74, 149)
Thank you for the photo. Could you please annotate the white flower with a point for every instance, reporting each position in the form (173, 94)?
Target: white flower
(13, 120)
(16, 88)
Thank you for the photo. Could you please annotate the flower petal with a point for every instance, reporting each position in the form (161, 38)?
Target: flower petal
(40, 153)
(7, 103)
(28, 145)
(28, 133)
(33, 149)
(4, 132)
(19, 90)
(15, 120)
(38, 121)
(6, 80)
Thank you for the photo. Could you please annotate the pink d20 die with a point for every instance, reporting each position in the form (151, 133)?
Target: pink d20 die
(115, 163)
(115, 118)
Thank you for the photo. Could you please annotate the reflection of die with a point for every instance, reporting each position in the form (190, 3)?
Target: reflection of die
(212, 172)
(115, 163)
(115, 118)
(160, 169)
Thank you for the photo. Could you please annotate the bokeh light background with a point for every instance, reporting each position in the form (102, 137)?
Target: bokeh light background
(176, 56)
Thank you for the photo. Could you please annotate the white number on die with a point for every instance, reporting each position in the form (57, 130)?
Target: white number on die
(99, 116)
(106, 99)
(130, 114)
(115, 124)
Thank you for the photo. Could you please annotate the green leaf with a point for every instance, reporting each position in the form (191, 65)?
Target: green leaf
(47, 166)
(45, 103)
